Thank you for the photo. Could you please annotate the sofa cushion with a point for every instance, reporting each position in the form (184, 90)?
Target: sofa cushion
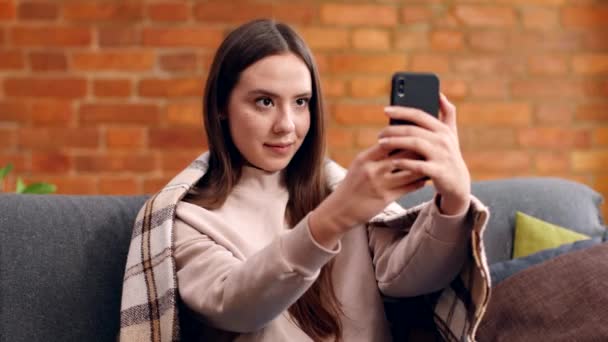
(62, 261)
(562, 202)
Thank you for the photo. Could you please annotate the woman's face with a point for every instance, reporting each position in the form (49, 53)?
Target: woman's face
(268, 110)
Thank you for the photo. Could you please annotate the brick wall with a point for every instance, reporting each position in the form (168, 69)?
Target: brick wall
(104, 97)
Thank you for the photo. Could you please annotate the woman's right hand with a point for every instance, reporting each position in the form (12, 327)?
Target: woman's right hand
(372, 182)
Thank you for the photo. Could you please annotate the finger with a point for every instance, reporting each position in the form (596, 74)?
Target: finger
(421, 167)
(406, 130)
(404, 154)
(402, 177)
(416, 116)
(407, 188)
(448, 111)
(374, 153)
(420, 146)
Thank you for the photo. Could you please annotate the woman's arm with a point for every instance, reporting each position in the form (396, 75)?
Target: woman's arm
(421, 256)
(244, 295)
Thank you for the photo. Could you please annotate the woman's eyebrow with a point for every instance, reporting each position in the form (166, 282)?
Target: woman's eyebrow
(271, 94)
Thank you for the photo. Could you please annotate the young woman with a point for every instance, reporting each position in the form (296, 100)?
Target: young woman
(270, 241)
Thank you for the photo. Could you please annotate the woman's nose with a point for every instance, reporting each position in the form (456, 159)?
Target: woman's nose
(285, 121)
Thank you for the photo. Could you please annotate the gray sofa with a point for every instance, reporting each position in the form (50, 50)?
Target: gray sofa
(62, 257)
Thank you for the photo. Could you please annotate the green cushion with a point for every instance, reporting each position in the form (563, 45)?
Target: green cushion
(534, 235)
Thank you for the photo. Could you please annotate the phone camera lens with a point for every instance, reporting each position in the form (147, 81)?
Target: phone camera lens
(401, 87)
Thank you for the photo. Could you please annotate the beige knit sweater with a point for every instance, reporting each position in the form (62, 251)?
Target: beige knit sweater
(240, 267)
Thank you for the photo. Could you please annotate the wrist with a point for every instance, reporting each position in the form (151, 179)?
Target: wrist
(454, 205)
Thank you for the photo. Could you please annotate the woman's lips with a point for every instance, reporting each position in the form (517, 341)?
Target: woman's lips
(279, 148)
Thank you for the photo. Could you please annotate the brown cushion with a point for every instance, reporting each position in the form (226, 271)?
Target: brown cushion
(563, 299)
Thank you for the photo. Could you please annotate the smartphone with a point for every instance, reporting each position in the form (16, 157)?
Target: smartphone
(417, 90)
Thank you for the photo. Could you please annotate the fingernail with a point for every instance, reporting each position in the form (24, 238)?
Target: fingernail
(389, 109)
(383, 141)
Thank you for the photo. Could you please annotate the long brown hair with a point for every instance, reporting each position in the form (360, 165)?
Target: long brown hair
(317, 311)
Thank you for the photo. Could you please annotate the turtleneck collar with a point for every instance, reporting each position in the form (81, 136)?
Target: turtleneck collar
(255, 179)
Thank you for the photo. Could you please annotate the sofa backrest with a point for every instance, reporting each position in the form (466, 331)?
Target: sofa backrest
(62, 257)
(61, 265)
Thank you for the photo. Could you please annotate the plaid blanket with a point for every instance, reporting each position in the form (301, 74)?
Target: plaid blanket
(150, 295)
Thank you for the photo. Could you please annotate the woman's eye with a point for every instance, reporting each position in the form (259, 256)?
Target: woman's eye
(264, 102)
(302, 102)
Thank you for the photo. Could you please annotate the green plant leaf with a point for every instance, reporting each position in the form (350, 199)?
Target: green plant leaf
(5, 170)
(20, 185)
(40, 188)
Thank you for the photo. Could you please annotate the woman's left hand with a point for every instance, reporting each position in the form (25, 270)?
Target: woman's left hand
(436, 141)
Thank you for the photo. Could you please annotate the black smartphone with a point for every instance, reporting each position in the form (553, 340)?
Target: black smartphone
(417, 90)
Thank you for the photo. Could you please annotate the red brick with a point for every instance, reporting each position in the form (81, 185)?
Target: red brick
(102, 11)
(547, 65)
(119, 185)
(7, 9)
(8, 139)
(53, 87)
(554, 113)
(232, 12)
(553, 137)
(155, 184)
(56, 138)
(411, 14)
(498, 161)
(182, 87)
(175, 161)
(380, 64)
(589, 64)
(593, 40)
(119, 113)
(177, 138)
(333, 87)
(50, 36)
(485, 15)
(589, 16)
(119, 36)
(593, 112)
(48, 61)
(494, 41)
(72, 185)
(323, 38)
(600, 136)
(372, 86)
(342, 156)
(293, 13)
(34, 10)
(366, 137)
(112, 88)
(183, 36)
(14, 111)
(537, 88)
(115, 162)
(51, 113)
(552, 161)
(188, 114)
(511, 114)
(19, 161)
(427, 62)
(593, 161)
(487, 138)
(447, 40)
(340, 137)
(371, 39)
(115, 60)
(540, 18)
(359, 114)
(487, 65)
(169, 11)
(125, 137)
(412, 40)
(181, 61)
(11, 60)
(454, 89)
(2, 36)
(359, 14)
(489, 88)
(51, 162)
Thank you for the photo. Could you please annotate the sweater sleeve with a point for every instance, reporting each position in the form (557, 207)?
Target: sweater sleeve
(418, 255)
(244, 295)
